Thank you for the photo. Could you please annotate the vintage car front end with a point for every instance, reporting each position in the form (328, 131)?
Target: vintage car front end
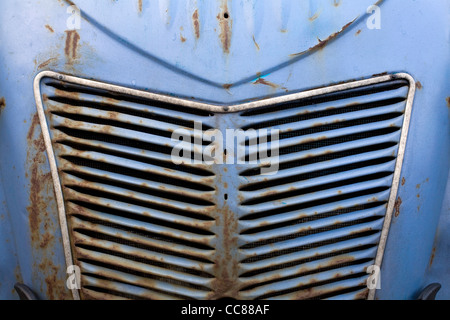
(335, 190)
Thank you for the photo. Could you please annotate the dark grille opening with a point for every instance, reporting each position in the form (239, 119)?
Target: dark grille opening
(102, 137)
(308, 232)
(326, 113)
(316, 217)
(118, 96)
(309, 246)
(298, 192)
(135, 244)
(105, 237)
(352, 93)
(150, 263)
(338, 140)
(136, 173)
(281, 266)
(339, 125)
(144, 233)
(322, 158)
(160, 163)
(314, 174)
(124, 110)
(309, 294)
(157, 193)
(300, 206)
(303, 274)
(119, 124)
(126, 294)
(146, 219)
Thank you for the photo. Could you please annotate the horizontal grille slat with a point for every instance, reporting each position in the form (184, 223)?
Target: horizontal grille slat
(147, 223)
(308, 268)
(151, 271)
(68, 153)
(113, 232)
(269, 191)
(312, 282)
(251, 177)
(327, 103)
(330, 223)
(264, 251)
(306, 253)
(100, 287)
(312, 213)
(163, 260)
(167, 290)
(93, 174)
(126, 102)
(327, 290)
(317, 139)
(328, 194)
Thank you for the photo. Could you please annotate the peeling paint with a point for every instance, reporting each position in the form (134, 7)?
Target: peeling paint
(323, 43)
(419, 85)
(225, 25)
(49, 28)
(70, 49)
(196, 22)
(397, 205)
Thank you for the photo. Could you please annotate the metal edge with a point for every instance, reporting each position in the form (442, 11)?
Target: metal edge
(214, 107)
(397, 174)
(55, 177)
(218, 108)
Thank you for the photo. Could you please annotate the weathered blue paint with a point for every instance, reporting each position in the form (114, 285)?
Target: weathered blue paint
(156, 47)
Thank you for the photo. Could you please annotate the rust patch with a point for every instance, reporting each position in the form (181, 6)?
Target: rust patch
(323, 43)
(40, 217)
(403, 181)
(183, 39)
(448, 102)
(397, 205)
(46, 63)
(70, 50)
(267, 83)
(227, 86)
(196, 23)
(49, 28)
(419, 85)
(433, 254)
(140, 6)
(337, 3)
(358, 32)
(256, 43)
(225, 24)
(2, 103)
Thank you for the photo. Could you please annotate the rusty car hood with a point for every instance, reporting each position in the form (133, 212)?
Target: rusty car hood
(244, 39)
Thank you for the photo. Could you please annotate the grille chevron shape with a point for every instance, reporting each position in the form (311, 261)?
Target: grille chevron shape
(141, 227)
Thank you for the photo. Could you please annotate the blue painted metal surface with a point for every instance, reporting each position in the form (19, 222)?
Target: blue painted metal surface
(193, 51)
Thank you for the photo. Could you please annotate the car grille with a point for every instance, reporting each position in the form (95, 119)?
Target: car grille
(141, 227)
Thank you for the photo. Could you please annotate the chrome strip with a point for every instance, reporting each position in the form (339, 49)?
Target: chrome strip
(397, 174)
(219, 108)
